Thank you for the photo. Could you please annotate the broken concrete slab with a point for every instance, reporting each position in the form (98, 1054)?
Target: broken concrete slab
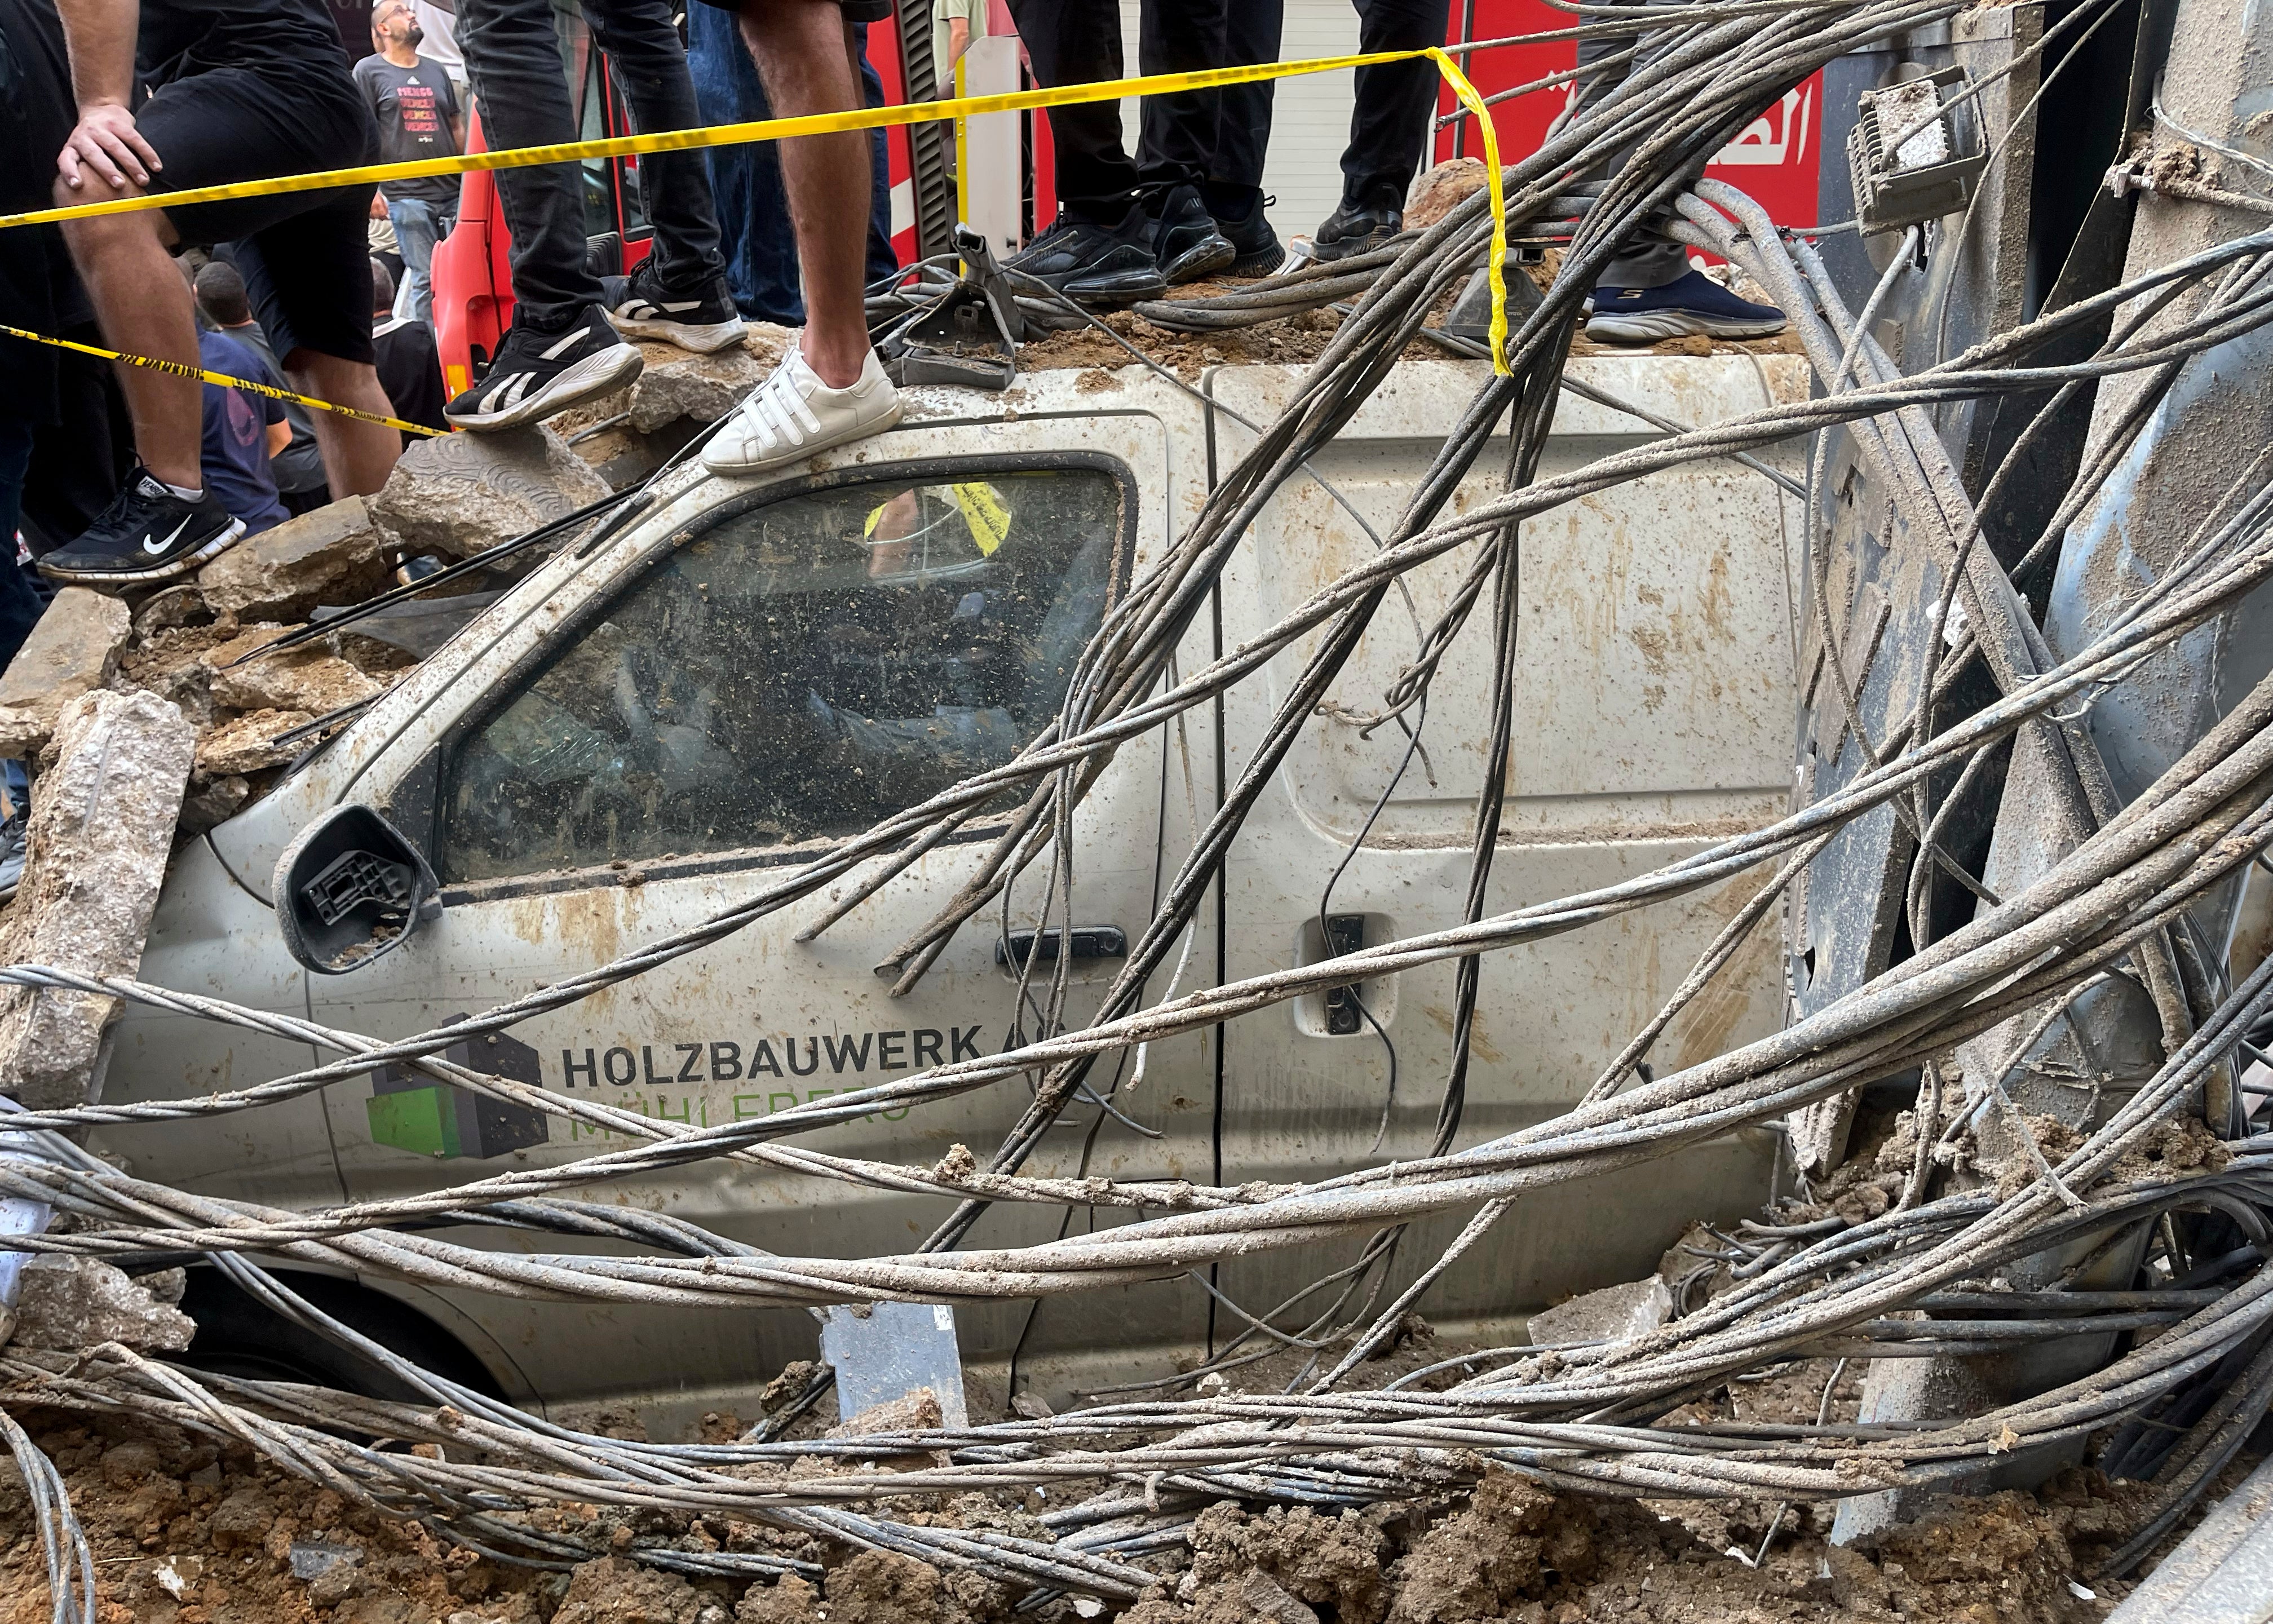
(248, 743)
(460, 493)
(329, 554)
(74, 649)
(911, 1412)
(1265, 1598)
(102, 830)
(308, 678)
(70, 1304)
(1613, 1314)
(677, 384)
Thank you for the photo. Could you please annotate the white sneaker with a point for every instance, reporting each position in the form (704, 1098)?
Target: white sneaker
(792, 414)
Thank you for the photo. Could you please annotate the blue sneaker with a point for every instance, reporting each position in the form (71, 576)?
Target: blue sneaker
(1692, 302)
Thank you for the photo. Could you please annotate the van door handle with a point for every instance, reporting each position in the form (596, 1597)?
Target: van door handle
(1089, 941)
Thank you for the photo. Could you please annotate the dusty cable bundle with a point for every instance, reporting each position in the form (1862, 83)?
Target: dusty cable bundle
(1587, 1419)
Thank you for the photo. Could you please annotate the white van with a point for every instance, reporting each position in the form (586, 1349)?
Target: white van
(636, 737)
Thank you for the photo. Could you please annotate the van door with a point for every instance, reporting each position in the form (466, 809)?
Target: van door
(1653, 714)
(774, 667)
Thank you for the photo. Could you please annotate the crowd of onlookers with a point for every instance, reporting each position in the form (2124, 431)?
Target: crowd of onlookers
(123, 477)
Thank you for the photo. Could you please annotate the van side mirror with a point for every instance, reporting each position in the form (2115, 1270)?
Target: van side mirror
(351, 888)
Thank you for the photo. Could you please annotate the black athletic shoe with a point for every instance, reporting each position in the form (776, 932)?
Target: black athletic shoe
(1092, 264)
(146, 534)
(1185, 240)
(702, 319)
(1238, 212)
(536, 374)
(1359, 227)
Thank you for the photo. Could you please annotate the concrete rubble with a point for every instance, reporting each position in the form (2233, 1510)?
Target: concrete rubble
(1615, 1314)
(69, 1304)
(72, 651)
(91, 882)
(332, 555)
(676, 385)
(458, 494)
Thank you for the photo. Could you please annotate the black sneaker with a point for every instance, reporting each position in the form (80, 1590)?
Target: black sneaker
(536, 374)
(147, 533)
(1238, 212)
(1359, 227)
(1093, 264)
(700, 319)
(1185, 240)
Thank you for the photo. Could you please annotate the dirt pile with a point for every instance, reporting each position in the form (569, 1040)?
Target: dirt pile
(187, 1532)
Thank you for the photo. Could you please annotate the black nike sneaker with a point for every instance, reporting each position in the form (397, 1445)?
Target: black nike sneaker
(146, 534)
(1185, 240)
(1359, 227)
(702, 320)
(1238, 212)
(1092, 264)
(536, 374)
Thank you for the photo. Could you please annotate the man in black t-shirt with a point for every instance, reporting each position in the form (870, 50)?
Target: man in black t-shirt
(235, 90)
(408, 364)
(417, 107)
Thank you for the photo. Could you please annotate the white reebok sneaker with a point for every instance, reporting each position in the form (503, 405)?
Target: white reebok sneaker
(792, 414)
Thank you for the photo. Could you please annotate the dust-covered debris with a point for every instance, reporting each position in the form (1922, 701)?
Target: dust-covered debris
(460, 493)
(70, 1303)
(73, 650)
(331, 554)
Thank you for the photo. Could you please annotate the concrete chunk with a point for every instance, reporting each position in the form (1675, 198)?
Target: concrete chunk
(1435, 192)
(248, 743)
(460, 493)
(100, 831)
(67, 1304)
(73, 650)
(1615, 1314)
(678, 384)
(331, 555)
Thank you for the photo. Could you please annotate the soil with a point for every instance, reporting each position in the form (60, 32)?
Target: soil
(184, 1532)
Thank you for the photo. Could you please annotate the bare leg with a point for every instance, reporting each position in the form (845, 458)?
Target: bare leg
(357, 456)
(142, 304)
(804, 55)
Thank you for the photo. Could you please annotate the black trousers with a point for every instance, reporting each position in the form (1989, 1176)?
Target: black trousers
(1219, 135)
(512, 56)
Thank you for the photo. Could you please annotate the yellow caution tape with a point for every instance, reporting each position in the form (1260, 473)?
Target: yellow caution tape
(989, 521)
(177, 369)
(825, 123)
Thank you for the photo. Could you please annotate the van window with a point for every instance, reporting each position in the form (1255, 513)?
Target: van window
(800, 669)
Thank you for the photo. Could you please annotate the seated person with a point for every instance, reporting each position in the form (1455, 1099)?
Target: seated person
(242, 431)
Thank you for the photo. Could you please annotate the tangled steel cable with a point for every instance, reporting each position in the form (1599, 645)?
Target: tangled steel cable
(1921, 1277)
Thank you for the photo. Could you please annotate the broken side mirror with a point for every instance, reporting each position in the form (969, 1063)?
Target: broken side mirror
(350, 888)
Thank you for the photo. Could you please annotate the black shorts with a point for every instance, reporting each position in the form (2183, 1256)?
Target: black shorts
(305, 256)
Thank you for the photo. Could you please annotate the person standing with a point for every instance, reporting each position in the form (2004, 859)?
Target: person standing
(1649, 291)
(234, 92)
(830, 388)
(408, 364)
(955, 26)
(418, 116)
(567, 343)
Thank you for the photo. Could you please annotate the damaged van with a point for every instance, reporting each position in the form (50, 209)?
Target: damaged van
(643, 732)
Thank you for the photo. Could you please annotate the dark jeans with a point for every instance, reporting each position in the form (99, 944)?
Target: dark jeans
(20, 602)
(755, 231)
(513, 57)
(1396, 110)
(1207, 135)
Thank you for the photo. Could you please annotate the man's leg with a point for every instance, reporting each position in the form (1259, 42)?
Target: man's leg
(415, 231)
(142, 304)
(831, 389)
(514, 59)
(804, 53)
(357, 456)
(651, 67)
(1396, 108)
(1179, 131)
